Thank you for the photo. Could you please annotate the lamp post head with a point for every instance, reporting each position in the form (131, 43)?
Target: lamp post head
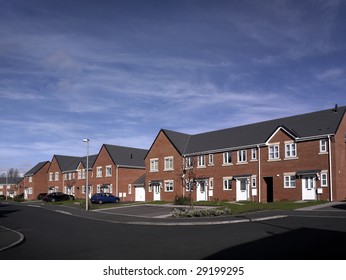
(86, 140)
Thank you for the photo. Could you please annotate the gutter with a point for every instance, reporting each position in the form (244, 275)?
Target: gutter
(330, 167)
(259, 173)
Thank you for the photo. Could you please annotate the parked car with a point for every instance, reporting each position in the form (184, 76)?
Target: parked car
(57, 196)
(41, 195)
(104, 198)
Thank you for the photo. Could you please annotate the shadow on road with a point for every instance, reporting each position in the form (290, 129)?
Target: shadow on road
(302, 243)
(5, 210)
(340, 206)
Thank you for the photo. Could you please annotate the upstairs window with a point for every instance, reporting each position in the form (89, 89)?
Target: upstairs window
(274, 152)
(56, 176)
(201, 161)
(211, 159)
(108, 170)
(50, 176)
(323, 146)
(290, 150)
(168, 163)
(253, 153)
(99, 171)
(227, 158)
(154, 165)
(242, 156)
(189, 162)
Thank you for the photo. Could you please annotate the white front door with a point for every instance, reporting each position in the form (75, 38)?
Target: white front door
(139, 194)
(26, 193)
(157, 190)
(242, 189)
(309, 187)
(201, 191)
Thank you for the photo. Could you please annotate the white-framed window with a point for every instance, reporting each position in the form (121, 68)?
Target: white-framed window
(169, 187)
(30, 190)
(253, 153)
(210, 159)
(30, 179)
(150, 188)
(227, 183)
(189, 162)
(227, 157)
(90, 189)
(99, 171)
(211, 183)
(129, 189)
(290, 150)
(84, 173)
(189, 185)
(323, 146)
(253, 182)
(79, 174)
(242, 156)
(168, 163)
(108, 170)
(56, 178)
(324, 179)
(154, 165)
(201, 161)
(50, 176)
(289, 181)
(274, 152)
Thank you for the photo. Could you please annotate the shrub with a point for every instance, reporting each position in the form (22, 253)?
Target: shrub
(182, 200)
(200, 212)
(90, 205)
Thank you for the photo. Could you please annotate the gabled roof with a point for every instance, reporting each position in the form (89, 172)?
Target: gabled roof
(315, 124)
(67, 163)
(91, 160)
(126, 156)
(179, 140)
(36, 168)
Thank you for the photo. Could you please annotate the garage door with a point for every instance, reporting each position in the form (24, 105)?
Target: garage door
(140, 194)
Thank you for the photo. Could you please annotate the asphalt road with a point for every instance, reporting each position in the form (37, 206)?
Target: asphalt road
(51, 235)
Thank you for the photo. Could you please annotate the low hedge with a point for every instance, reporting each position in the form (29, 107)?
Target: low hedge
(201, 212)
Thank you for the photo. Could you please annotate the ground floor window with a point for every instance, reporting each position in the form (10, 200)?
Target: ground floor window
(227, 183)
(324, 179)
(290, 181)
(169, 186)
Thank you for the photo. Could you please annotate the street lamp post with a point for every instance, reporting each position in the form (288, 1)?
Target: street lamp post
(6, 184)
(87, 176)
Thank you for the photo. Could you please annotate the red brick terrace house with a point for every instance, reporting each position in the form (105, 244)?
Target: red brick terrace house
(11, 186)
(117, 170)
(301, 157)
(67, 174)
(35, 180)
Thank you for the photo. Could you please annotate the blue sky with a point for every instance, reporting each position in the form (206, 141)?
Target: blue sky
(118, 71)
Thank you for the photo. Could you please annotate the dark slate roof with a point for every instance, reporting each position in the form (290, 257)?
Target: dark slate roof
(91, 160)
(178, 139)
(308, 125)
(67, 163)
(126, 156)
(10, 180)
(140, 181)
(36, 168)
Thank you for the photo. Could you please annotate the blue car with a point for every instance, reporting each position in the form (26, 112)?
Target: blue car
(104, 198)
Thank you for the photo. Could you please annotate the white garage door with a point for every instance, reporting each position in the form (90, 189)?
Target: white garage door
(140, 194)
